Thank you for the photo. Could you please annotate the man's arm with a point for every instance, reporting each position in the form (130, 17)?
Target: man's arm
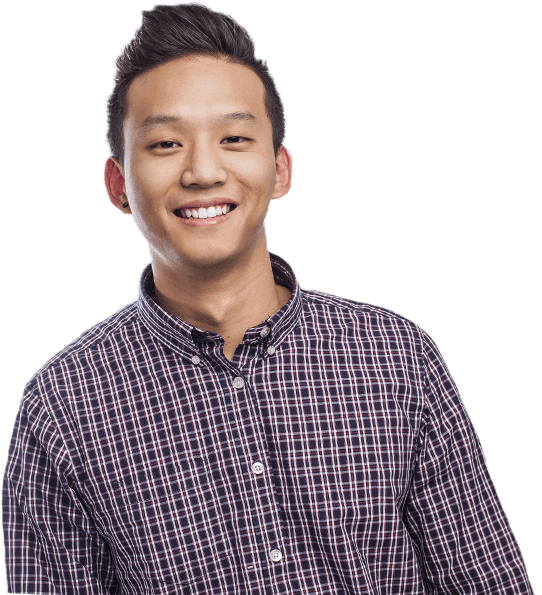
(51, 543)
(453, 514)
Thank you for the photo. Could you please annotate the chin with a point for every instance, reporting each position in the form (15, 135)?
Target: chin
(210, 261)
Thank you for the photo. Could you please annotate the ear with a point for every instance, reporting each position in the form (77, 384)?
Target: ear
(114, 182)
(283, 180)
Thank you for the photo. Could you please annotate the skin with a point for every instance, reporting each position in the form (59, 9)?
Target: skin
(216, 276)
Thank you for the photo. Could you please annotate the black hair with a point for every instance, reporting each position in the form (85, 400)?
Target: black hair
(169, 32)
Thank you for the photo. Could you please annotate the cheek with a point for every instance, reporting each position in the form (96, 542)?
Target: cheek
(146, 186)
(258, 173)
(147, 182)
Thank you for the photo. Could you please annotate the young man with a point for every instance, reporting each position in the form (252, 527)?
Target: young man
(230, 432)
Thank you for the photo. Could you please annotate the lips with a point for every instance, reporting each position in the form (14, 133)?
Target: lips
(209, 208)
(205, 213)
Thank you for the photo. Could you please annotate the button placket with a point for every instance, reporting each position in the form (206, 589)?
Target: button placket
(260, 492)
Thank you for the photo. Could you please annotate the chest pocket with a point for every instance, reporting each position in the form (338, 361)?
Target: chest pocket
(166, 528)
(158, 482)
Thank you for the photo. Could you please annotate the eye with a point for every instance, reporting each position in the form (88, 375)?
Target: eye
(234, 139)
(167, 144)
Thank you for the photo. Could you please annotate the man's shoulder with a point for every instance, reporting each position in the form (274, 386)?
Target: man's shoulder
(362, 328)
(106, 330)
(339, 306)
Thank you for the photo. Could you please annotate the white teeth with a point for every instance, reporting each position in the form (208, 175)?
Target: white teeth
(203, 213)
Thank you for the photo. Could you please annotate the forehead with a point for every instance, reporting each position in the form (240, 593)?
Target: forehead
(195, 89)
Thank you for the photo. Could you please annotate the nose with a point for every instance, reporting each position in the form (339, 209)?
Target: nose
(203, 167)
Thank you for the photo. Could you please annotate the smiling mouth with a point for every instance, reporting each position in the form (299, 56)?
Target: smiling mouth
(203, 213)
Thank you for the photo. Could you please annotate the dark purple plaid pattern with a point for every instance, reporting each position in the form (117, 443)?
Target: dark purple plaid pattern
(333, 455)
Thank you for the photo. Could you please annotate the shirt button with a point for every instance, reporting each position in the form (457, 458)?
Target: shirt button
(238, 382)
(264, 332)
(257, 468)
(275, 555)
(270, 350)
(195, 360)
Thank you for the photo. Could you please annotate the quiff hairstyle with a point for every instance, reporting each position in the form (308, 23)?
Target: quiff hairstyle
(169, 32)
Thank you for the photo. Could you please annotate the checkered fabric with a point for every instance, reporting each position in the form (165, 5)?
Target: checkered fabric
(332, 455)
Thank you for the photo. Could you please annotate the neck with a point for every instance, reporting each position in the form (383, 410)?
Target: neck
(226, 299)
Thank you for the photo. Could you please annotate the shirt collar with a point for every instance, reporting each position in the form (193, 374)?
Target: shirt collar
(183, 337)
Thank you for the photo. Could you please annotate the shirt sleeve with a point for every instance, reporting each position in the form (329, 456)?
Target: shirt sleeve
(51, 543)
(461, 534)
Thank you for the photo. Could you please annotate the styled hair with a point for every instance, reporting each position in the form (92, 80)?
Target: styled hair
(169, 32)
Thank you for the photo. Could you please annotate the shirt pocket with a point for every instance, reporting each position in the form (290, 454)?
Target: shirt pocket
(218, 578)
(159, 481)
(165, 528)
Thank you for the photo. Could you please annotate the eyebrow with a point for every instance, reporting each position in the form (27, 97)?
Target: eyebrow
(246, 116)
(157, 119)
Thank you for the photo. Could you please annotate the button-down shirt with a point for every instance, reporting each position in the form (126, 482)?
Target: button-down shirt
(331, 455)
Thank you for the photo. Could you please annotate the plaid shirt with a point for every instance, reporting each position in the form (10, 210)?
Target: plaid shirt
(332, 455)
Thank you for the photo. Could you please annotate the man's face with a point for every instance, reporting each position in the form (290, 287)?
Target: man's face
(197, 138)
